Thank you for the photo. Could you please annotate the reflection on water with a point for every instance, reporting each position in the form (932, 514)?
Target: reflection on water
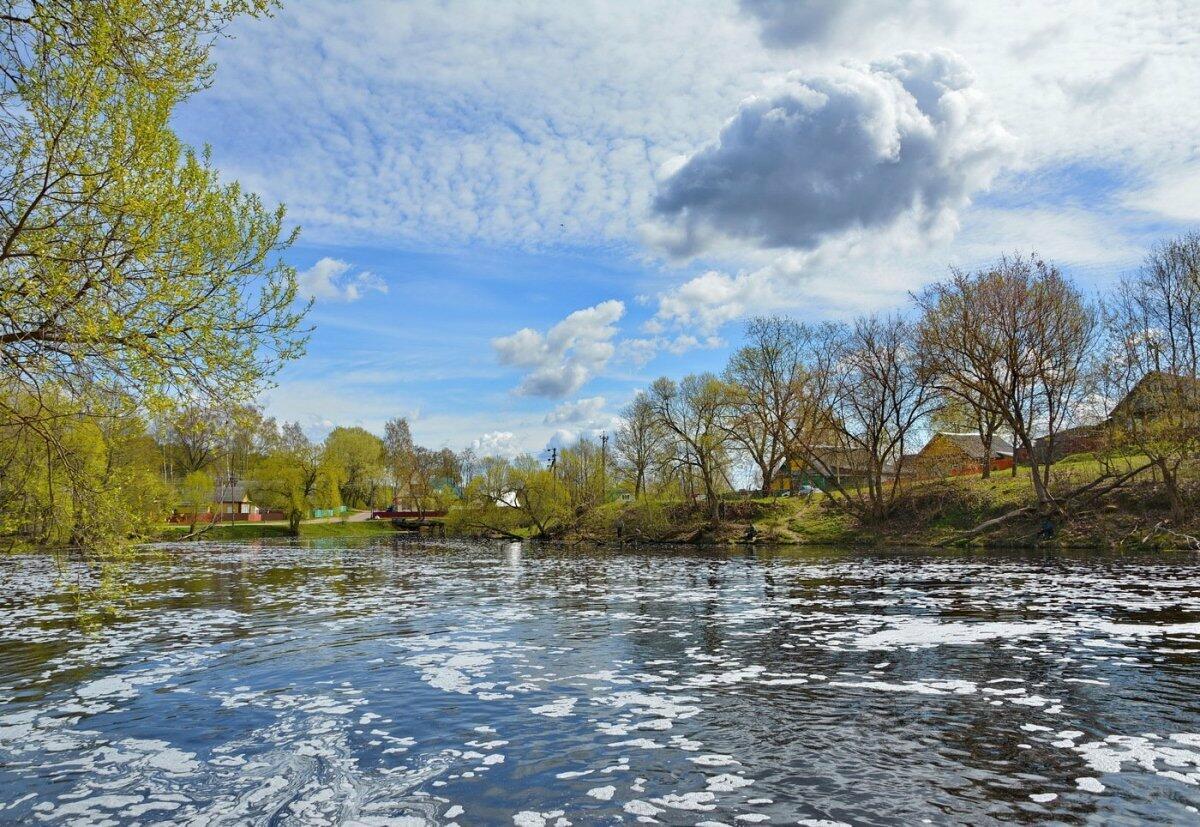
(398, 683)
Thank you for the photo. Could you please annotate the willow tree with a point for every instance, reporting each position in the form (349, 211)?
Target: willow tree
(129, 272)
(126, 264)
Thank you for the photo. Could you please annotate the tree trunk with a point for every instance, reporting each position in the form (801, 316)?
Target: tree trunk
(1171, 483)
(987, 454)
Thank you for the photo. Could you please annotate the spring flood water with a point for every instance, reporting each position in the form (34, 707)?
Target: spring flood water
(495, 683)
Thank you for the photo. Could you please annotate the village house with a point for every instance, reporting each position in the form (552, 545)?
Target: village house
(1152, 396)
(954, 454)
(831, 466)
(232, 502)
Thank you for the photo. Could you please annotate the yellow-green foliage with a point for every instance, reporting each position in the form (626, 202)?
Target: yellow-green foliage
(74, 479)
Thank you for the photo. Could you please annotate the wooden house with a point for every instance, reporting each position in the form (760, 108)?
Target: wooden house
(954, 454)
(831, 466)
(232, 502)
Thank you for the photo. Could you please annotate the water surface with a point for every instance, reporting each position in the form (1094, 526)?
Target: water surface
(394, 683)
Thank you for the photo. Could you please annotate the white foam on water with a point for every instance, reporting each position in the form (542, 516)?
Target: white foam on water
(560, 708)
(727, 783)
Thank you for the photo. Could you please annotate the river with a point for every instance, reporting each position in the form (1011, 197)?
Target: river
(473, 683)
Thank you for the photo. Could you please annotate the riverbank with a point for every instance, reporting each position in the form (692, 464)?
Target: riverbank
(931, 513)
(312, 530)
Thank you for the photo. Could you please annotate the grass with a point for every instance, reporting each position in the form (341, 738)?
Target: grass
(928, 513)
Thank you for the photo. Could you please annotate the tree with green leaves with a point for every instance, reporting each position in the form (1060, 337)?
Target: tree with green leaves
(357, 456)
(130, 273)
(126, 262)
(196, 494)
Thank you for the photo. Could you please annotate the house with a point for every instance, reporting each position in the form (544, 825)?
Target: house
(1154, 394)
(232, 502)
(1082, 439)
(829, 466)
(948, 453)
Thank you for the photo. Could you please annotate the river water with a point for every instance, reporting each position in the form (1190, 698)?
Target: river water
(468, 683)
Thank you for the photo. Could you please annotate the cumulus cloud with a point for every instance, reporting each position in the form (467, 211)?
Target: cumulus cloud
(581, 410)
(862, 148)
(784, 23)
(331, 279)
(496, 444)
(561, 361)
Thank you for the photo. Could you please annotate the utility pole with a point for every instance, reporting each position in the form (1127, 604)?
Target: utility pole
(603, 468)
(553, 459)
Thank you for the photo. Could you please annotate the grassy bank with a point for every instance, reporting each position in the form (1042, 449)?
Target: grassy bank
(308, 530)
(928, 513)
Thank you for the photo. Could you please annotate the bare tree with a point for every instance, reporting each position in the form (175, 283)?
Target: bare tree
(763, 391)
(1152, 361)
(638, 441)
(692, 411)
(1015, 338)
(866, 395)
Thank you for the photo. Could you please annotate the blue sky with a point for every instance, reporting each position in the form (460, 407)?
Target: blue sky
(516, 214)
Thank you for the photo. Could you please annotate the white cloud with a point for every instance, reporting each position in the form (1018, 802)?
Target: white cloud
(581, 410)
(867, 147)
(382, 125)
(1175, 196)
(331, 279)
(561, 361)
(497, 444)
(526, 124)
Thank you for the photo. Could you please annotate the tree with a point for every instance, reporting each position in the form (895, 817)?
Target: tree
(488, 500)
(400, 458)
(763, 391)
(692, 411)
(129, 273)
(863, 396)
(194, 436)
(357, 457)
(196, 494)
(579, 470)
(72, 478)
(540, 496)
(287, 478)
(638, 441)
(1016, 338)
(126, 266)
(1152, 362)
